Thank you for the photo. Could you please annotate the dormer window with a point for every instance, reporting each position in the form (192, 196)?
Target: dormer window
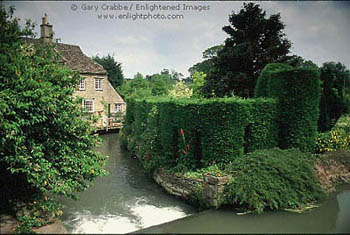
(82, 85)
(98, 84)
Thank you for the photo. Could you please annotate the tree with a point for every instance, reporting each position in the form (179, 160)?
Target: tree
(114, 69)
(198, 83)
(138, 87)
(180, 90)
(158, 85)
(335, 83)
(45, 145)
(206, 64)
(212, 52)
(298, 61)
(253, 42)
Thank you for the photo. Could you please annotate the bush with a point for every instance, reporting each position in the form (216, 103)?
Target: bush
(336, 139)
(192, 133)
(38, 212)
(272, 179)
(298, 93)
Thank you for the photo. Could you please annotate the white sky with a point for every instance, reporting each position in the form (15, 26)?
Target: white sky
(319, 31)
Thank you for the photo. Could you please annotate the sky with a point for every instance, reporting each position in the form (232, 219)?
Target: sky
(141, 41)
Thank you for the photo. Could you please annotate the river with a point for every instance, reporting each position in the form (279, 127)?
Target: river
(128, 200)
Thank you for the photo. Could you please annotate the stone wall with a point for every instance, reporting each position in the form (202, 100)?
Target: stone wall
(210, 190)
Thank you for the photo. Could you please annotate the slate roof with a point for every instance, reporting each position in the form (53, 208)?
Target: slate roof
(74, 58)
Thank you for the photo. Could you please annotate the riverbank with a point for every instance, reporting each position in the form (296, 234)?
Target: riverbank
(333, 168)
(207, 190)
(9, 223)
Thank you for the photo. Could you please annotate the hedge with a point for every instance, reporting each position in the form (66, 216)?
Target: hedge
(261, 84)
(298, 93)
(194, 133)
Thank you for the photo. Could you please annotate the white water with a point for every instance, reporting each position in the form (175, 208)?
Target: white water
(125, 201)
(142, 215)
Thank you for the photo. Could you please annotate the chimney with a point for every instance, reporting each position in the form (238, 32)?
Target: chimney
(46, 30)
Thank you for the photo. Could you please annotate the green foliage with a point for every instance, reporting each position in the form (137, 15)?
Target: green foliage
(188, 134)
(44, 142)
(213, 170)
(253, 42)
(114, 69)
(298, 61)
(198, 83)
(157, 84)
(160, 84)
(261, 85)
(272, 179)
(336, 139)
(297, 91)
(40, 211)
(136, 88)
(207, 63)
(346, 99)
(334, 99)
(180, 90)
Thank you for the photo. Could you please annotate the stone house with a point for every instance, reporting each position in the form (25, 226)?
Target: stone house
(99, 96)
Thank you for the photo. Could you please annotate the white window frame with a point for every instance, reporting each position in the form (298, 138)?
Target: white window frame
(92, 105)
(98, 84)
(120, 107)
(82, 84)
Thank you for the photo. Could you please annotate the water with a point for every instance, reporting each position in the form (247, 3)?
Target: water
(332, 216)
(124, 201)
(129, 200)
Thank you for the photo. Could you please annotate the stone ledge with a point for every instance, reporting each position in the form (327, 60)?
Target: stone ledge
(211, 188)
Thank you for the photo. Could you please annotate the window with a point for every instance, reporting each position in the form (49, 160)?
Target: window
(98, 84)
(89, 105)
(117, 107)
(82, 85)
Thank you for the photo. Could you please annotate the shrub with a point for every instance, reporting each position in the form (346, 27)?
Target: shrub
(38, 212)
(336, 139)
(272, 179)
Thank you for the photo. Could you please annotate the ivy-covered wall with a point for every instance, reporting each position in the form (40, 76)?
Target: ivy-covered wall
(194, 133)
